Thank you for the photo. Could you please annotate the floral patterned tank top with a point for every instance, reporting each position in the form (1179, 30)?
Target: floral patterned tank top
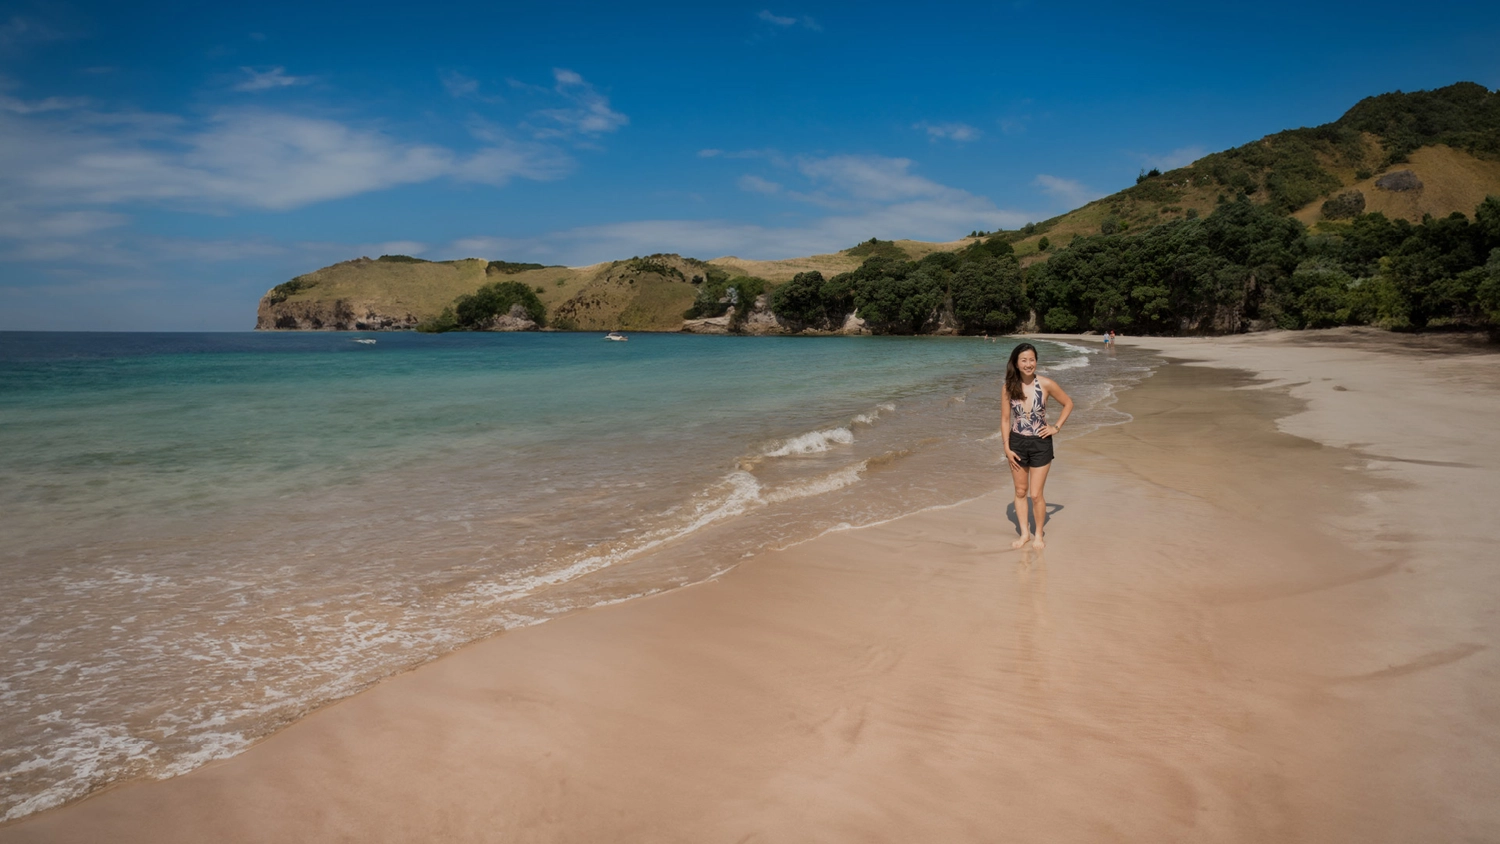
(1030, 422)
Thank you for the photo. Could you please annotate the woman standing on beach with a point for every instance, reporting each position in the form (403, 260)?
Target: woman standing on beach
(1027, 436)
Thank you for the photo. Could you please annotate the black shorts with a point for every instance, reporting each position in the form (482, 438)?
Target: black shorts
(1031, 452)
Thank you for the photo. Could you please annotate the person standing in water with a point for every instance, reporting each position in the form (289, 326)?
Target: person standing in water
(1028, 438)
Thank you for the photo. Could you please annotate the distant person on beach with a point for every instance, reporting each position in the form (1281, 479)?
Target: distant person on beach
(1028, 438)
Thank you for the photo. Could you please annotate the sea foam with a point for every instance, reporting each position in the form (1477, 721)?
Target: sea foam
(1070, 363)
(812, 442)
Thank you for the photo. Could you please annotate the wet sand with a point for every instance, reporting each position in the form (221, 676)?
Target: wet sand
(1265, 613)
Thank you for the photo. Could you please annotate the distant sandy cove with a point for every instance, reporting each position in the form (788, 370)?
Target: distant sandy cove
(1267, 612)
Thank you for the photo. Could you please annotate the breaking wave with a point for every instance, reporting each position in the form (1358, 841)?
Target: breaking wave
(812, 442)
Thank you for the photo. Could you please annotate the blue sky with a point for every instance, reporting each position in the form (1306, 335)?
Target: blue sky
(163, 165)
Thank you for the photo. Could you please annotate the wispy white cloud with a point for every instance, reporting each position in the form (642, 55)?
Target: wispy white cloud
(238, 158)
(17, 106)
(870, 178)
(503, 159)
(756, 184)
(211, 251)
(788, 21)
(462, 87)
(771, 154)
(72, 175)
(960, 132)
(590, 113)
(1019, 119)
(458, 85)
(22, 30)
(1068, 190)
(1174, 159)
(25, 223)
(247, 158)
(268, 80)
(869, 196)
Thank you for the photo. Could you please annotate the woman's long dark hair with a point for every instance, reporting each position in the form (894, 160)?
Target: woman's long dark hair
(1013, 388)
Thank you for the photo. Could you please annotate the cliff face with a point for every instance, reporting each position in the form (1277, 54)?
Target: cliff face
(516, 320)
(368, 295)
(336, 315)
(636, 295)
(761, 320)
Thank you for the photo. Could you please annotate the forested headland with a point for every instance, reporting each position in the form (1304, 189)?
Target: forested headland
(1243, 267)
(1388, 216)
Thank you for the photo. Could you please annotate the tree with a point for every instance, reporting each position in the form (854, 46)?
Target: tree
(1488, 293)
(492, 300)
(1487, 218)
(1043, 244)
(1060, 320)
(801, 300)
(987, 295)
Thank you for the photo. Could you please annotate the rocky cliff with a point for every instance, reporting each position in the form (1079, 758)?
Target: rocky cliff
(761, 320)
(336, 315)
(389, 293)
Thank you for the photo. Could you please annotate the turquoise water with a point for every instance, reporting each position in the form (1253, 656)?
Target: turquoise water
(208, 535)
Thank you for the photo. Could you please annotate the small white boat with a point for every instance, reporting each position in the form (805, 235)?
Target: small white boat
(615, 335)
(366, 341)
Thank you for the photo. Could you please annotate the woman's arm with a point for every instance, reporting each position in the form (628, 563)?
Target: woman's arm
(1055, 391)
(1005, 428)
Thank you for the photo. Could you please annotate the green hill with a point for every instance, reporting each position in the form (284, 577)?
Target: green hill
(1449, 137)
(1229, 242)
(640, 294)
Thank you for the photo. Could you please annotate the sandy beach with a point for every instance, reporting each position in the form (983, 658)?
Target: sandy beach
(1265, 613)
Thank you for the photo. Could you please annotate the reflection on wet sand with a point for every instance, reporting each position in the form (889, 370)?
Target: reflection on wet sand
(1032, 625)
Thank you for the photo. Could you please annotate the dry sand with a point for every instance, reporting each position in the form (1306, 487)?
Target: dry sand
(1242, 629)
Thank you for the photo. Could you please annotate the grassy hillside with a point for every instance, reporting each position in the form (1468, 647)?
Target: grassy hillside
(639, 294)
(642, 294)
(1449, 136)
(1441, 147)
(1452, 180)
(399, 286)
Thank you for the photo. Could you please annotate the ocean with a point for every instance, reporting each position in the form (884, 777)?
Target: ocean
(210, 535)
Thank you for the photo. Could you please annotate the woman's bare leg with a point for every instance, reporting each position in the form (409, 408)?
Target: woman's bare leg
(1037, 482)
(1022, 517)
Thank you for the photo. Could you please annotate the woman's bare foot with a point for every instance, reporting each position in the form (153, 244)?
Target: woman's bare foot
(1037, 543)
(1022, 541)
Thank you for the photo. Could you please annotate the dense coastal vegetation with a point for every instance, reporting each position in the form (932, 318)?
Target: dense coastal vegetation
(1246, 266)
(1389, 216)
(976, 289)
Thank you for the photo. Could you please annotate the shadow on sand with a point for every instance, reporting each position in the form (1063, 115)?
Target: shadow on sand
(1010, 513)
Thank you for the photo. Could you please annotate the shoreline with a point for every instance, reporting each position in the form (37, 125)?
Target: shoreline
(917, 678)
(902, 459)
